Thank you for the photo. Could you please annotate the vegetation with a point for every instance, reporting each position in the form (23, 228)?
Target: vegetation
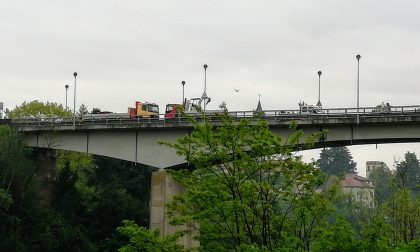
(90, 196)
(336, 161)
(37, 109)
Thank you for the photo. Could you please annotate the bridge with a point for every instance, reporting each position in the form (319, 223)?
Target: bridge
(137, 139)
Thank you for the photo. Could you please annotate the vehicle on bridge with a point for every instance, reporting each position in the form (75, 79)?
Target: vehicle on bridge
(144, 110)
(141, 110)
(307, 109)
(191, 107)
(382, 108)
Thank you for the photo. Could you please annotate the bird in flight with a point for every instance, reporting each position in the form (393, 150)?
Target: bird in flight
(236, 90)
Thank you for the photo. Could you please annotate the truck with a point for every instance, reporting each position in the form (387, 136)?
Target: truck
(191, 107)
(141, 110)
(144, 110)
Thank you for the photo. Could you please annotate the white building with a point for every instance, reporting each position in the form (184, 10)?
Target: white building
(360, 189)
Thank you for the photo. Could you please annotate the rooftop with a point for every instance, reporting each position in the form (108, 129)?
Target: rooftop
(353, 180)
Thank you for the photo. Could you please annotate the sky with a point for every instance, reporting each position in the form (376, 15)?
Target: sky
(127, 51)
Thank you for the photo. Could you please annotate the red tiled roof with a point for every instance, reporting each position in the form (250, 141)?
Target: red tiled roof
(353, 180)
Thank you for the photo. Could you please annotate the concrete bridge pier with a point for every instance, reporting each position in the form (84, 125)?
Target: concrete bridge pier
(46, 171)
(163, 188)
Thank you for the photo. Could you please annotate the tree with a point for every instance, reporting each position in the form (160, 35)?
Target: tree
(247, 189)
(336, 161)
(83, 110)
(404, 213)
(383, 180)
(408, 173)
(37, 109)
(338, 236)
(141, 239)
(18, 184)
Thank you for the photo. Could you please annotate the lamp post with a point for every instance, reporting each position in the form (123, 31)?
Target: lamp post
(358, 59)
(183, 103)
(67, 87)
(319, 89)
(204, 97)
(74, 101)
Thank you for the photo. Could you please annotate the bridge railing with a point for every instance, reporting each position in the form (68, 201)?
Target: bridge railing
(279, 115)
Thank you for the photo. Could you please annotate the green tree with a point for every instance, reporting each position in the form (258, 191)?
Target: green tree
(408, 173)
(336, 161)
(37, 109)
(141, 239)
(403, 210)
(247, 187)
(338, 236)
(383, 180)
(19, 207)
(83, 110)
(376, 234)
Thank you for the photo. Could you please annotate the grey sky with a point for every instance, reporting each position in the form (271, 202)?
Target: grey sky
(141, 50)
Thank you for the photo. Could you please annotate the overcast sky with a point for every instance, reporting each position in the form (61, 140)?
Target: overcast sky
(141, 50)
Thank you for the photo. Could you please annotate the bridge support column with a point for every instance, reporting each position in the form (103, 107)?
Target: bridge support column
(47, 172)
(163, 188)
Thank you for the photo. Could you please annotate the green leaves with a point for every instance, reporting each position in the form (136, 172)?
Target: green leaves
(142, 239)
(37, 109)
(245, 186)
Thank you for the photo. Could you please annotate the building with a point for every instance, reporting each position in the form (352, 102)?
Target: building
(360, 189)
(372, 165)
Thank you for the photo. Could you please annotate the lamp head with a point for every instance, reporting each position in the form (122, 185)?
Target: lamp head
(358, 56)
(183, 83)
(75, 74)
(319, 73)
(66, 86)
(205, 66)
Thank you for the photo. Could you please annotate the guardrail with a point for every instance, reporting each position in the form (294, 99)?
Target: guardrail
(286, 115)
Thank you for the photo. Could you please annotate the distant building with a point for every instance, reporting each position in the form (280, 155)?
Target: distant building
(360, 189)
(372, 165)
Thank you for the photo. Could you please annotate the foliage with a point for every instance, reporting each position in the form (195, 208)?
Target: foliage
(83, 110)
(336, 161)
(404, 212)
(247, 187)
(383, 180)
(18, 185)
(413, 246)
(408, 173)
(90, 197)
(37, 109)
(142, 239)
(339, 236)
(376, 234)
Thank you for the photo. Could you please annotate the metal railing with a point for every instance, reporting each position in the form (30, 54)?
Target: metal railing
(279, 115)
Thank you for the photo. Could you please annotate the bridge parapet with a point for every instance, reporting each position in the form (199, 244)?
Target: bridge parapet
(279, 118)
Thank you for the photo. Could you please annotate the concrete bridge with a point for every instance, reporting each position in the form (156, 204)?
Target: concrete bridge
(137, 139)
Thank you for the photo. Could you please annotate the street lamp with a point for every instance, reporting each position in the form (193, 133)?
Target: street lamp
(183, 103)
(204, 97)
(319, 89)
(358, 59)
(67, 87)
(74, 101)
